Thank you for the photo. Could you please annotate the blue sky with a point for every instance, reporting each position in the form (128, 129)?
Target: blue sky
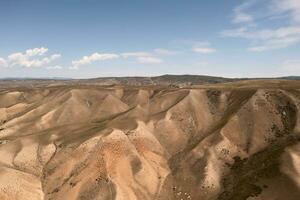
(83, 39)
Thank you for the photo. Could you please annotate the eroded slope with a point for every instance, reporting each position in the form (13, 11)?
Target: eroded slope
(79, 142)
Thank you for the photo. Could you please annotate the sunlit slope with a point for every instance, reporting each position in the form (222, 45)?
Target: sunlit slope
(127, 143)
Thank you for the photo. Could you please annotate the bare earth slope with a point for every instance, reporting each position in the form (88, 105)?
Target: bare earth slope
(229, 141)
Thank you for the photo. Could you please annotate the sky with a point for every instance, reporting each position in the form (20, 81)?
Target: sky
(97, 38)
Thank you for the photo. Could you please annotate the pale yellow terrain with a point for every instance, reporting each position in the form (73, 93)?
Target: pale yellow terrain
(230, 141)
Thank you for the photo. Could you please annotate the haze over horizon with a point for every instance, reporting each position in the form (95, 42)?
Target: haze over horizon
(77, 39)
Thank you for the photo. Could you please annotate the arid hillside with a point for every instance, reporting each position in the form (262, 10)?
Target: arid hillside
(226, 141)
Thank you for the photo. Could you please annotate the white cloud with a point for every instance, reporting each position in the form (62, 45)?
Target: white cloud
(55, 56)
(36, 51)
(135, 54)
(204, 50)
(275, 44)
(93, 58)
(146, 57)
(149, 60)
(289, 7)
(165, 52)
(31, 58)
(292, 65)
(263, 34)
(3, 62)
(268, 38)
(140, 57)
(242, 17)
(55, 67)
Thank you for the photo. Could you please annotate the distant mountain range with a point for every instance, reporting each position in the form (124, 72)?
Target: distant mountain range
(167, 80)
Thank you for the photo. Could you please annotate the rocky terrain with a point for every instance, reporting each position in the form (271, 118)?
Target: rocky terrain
(226, 141)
